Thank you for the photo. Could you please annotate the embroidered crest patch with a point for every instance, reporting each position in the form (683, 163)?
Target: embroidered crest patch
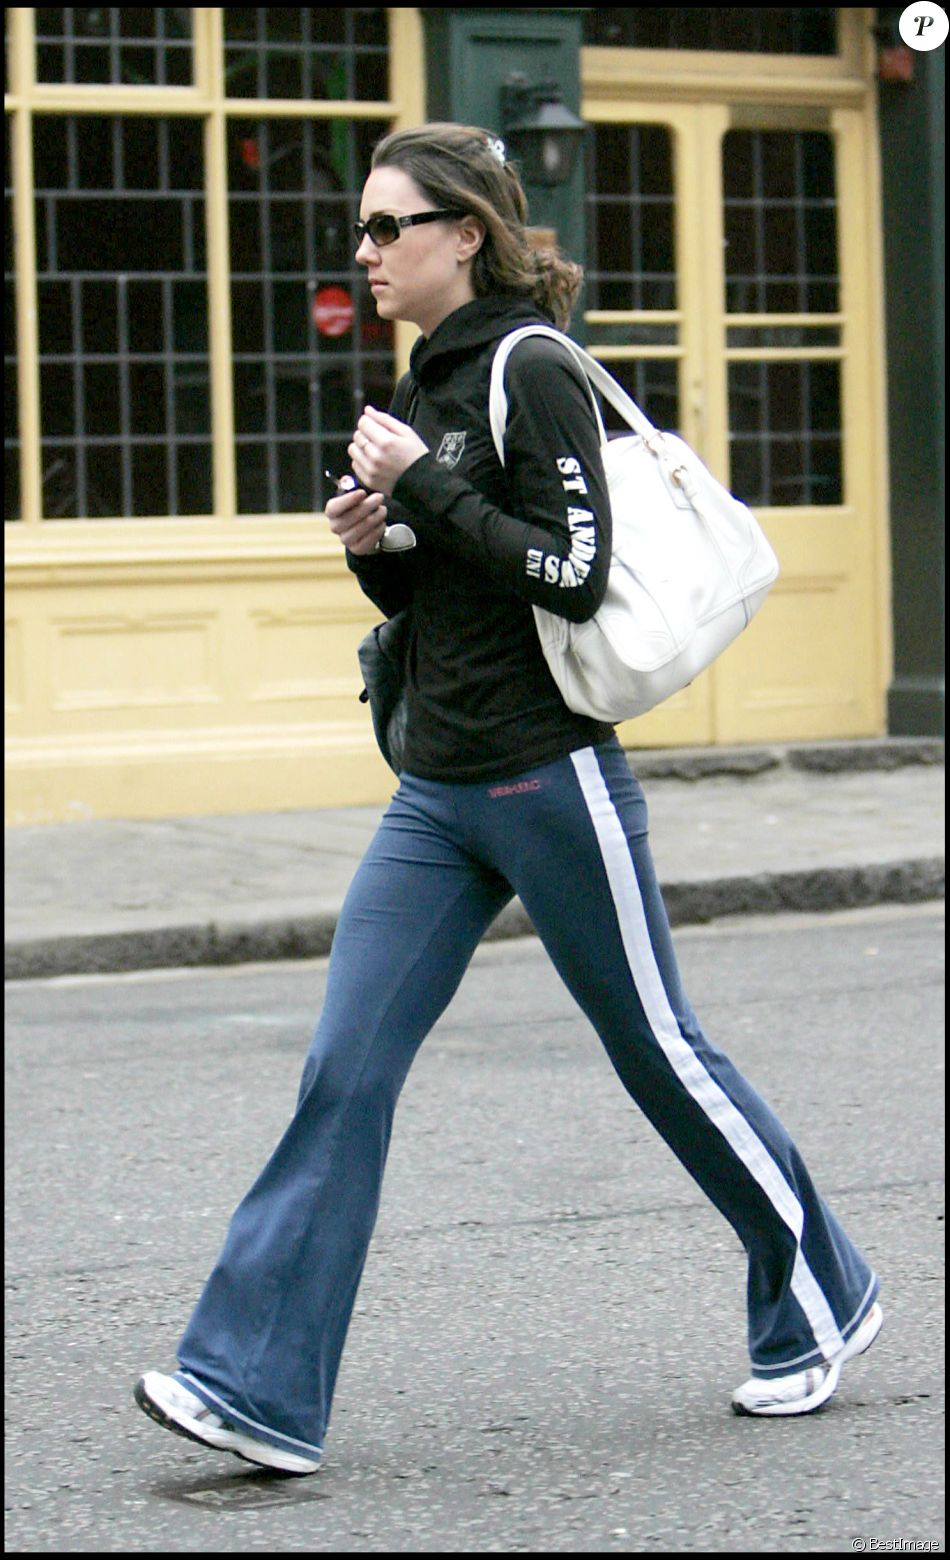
(451, 450)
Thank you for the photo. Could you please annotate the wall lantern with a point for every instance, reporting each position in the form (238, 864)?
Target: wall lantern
(540, 132)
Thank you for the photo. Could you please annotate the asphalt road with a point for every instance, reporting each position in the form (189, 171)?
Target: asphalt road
(551, 1318)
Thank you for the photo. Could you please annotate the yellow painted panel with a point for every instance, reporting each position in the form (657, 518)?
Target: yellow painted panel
(162, 672)
(804, 666)
(792, 673)
(298, 654)
(145, 713)
(127, 661)
(13, 690)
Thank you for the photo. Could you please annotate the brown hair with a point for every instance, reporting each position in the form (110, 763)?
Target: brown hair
(463, 168)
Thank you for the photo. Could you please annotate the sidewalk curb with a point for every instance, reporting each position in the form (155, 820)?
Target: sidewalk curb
(310, 936)
(860, 755)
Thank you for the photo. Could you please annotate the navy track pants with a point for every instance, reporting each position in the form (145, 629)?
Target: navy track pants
(570, 838)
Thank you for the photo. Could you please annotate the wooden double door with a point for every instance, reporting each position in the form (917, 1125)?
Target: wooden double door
(732, 287)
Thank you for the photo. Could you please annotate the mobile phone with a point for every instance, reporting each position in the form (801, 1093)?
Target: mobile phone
(395, 538)
(344, 484)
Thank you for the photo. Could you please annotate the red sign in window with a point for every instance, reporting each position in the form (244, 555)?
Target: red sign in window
(333, 311)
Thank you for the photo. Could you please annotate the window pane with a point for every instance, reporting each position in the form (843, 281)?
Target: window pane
(114, 46)
(631, 255)
(759, 29)
(653, 385)
(123, 316)
(780, 222)
(311, 53)
(309, 350)
(785, 439)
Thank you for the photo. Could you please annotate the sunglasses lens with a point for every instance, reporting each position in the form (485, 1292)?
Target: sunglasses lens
(382, 230)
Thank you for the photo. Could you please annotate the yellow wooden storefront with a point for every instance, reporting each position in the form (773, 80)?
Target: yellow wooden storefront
(170, 664)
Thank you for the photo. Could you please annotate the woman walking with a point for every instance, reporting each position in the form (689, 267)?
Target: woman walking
(503, 791)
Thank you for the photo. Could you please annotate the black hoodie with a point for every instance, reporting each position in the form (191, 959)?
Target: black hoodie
(493, 541)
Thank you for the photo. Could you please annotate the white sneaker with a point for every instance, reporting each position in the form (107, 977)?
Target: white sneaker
(175, 1408)
(801, 1393)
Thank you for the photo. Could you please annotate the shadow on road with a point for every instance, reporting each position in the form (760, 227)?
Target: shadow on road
(240, 1491)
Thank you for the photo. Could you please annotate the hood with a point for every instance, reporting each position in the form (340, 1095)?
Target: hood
(474, 325)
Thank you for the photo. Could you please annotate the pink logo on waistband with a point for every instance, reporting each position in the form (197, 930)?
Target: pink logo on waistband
(517, 789)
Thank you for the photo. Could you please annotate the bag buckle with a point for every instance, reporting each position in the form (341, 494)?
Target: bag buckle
(682, 478)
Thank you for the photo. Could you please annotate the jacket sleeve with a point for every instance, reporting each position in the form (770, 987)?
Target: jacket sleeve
(551, 542)
(386, 578)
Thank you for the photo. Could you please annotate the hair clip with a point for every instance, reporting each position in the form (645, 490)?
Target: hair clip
(497, 149)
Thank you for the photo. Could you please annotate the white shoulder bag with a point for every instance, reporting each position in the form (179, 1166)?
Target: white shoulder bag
(690, 564)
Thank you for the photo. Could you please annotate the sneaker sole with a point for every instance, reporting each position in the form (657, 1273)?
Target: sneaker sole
(155, 1411)
(858, 1344)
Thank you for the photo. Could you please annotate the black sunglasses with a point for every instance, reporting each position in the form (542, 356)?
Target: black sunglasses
(385, 229)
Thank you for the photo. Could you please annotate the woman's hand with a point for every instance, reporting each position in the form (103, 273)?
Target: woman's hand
(358, 518)
(382, 449)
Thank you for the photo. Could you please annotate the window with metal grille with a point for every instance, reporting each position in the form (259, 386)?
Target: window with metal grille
(745, 29)
(780, 222)
(114, 45)
(309, 350)
(123, 316)
(126, 417)
(631, 283)
(311, 52)
(785, 414)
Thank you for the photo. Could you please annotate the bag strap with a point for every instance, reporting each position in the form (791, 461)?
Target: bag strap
(594, 372)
